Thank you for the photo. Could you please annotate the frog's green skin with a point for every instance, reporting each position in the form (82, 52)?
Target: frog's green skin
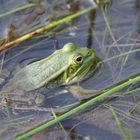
(64, 66)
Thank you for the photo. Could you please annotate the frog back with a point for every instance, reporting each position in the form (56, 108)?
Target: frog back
(39, 73)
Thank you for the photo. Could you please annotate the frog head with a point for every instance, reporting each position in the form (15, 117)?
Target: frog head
(80, 62)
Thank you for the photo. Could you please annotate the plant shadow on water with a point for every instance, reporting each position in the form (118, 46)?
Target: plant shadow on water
(89, 30)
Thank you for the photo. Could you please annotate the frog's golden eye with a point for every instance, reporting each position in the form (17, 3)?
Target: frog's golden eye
(78, 59)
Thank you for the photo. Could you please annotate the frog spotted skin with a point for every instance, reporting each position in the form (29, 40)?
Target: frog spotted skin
(64, 66)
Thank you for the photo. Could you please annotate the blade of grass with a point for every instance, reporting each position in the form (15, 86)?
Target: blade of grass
(106, 18)
(86, 104)
(103, 4)
(125, 115)
(61, 126)
(19, 8)
(120, 55)
(122, 129)
(45, 28)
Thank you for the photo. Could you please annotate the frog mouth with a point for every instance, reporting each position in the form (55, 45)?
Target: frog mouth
(81, 76)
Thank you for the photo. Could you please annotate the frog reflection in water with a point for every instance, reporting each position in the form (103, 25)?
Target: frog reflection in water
(65, 66)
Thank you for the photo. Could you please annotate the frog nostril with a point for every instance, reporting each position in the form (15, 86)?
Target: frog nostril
(89, 53)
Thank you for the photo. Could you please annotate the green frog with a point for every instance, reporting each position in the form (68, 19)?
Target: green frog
(63, 67)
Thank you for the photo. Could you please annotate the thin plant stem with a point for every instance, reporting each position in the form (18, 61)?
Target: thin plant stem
(19, 8)
(122, 129)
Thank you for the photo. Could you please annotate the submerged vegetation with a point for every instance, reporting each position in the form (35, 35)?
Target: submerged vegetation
(29, 30)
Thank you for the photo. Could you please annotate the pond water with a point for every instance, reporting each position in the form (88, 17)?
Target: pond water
(89, 30)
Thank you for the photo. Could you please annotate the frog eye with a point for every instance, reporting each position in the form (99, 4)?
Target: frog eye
(78, 59)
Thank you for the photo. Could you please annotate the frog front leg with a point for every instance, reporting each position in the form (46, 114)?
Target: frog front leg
(81, 93)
